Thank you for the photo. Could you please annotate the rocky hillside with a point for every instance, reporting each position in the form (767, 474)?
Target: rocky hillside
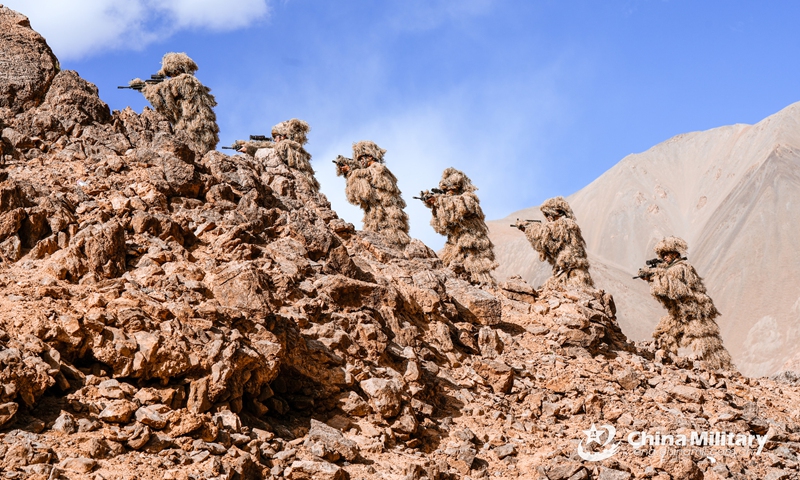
(732, 193)
(170, 316)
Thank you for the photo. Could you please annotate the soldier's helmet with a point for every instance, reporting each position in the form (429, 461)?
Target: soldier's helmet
(453, 179)
(671, 244)
(367, 147)
(174, 64)
(557, 207)
(293, 129)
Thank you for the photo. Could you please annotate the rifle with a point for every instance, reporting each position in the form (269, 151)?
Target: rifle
(652, 263)
(526, 221)
(643, 274)
(254, 138)
(139, 86)
(426, 196)
(342, 161)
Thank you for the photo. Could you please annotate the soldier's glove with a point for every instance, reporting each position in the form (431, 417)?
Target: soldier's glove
(645, 274)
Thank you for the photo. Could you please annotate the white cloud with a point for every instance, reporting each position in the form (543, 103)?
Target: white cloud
(213, 14)
(80, 28)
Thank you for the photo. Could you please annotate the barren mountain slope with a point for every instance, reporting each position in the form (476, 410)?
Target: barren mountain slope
(732, 193)
(169, 315)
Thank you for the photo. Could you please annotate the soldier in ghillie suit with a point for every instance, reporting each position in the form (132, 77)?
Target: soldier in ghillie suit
(371, 186)
(289, 138)
(185, 102)
(287, 143)
(689, 324)
(457, 214)
(559, 241)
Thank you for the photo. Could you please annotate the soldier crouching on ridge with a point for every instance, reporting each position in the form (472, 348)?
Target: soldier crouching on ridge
(185, 101)
(250, 147)
(371, 186)
(457, 214)
(560, 242)
(689, 324)
(288, 139)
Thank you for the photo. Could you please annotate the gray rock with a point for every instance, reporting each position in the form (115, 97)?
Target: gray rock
(687, 394)
(776, 474)
(153, 416)
(384, 395)
(229, 420)
(567, 471)
(462, 456)
(505, 450)
(65, 423)
(78, 465)
(489, 343)
(118, 411)
(332, 440)
(306, 469)
(111, 389)
(612, 474)
(473, 303)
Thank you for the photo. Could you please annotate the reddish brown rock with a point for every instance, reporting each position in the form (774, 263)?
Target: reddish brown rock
(211, 317)
(28, 64)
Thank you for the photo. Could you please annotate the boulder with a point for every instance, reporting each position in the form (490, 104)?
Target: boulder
(27, 65)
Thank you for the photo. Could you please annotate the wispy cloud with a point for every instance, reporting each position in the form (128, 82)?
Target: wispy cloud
(421, 15)
(80, 28)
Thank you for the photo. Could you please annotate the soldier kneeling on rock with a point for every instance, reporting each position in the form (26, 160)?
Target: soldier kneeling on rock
(457, 213)
(689, 324)
(187, 103)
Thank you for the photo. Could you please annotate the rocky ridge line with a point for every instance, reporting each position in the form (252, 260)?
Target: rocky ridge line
(169, 316)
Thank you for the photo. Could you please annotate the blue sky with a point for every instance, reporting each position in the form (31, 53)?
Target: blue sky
(532, 99)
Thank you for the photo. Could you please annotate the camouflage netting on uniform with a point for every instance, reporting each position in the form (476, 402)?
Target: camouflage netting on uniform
(185, 102)
(165, 314)
(373, 187)
(561, 244)
(458, 215)
(690, 321)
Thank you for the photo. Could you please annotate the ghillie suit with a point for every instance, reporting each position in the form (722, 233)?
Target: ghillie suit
(559, 241)
(185, 102)
(689, 323)
(457, 214)
(290, 136)
(373, 187)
